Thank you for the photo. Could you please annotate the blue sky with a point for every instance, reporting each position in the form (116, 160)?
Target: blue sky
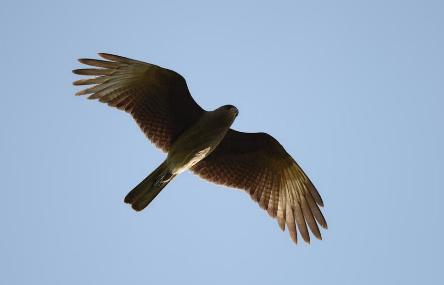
(352, 89)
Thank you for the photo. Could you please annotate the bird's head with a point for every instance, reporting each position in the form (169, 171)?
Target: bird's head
(223, 117)
(229, 110)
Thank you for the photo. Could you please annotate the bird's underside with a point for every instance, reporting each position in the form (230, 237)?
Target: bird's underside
(159, 101)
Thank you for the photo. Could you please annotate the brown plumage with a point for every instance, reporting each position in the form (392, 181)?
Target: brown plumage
(157, 98)
(257, 163)
(201, 141)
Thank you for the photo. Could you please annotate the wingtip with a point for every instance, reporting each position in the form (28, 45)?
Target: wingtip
(325, 226)
(81, 82)
(109, 56)
(305, 235)
(88, 61)
(104, 54)
(322, 222)
(117, 58)
(281, 224)
(294, 238)
(317, 235)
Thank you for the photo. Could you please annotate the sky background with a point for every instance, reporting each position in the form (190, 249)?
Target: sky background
(354, 90)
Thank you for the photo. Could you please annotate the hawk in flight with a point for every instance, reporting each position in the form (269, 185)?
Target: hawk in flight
(203, 142)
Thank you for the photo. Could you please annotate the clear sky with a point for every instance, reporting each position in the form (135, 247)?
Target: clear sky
(354, 90)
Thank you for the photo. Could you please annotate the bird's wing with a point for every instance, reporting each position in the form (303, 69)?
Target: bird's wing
(257, 163)
(157, 98)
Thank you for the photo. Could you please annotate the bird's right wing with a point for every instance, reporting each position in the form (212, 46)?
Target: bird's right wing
(257, 163)
(157, 98)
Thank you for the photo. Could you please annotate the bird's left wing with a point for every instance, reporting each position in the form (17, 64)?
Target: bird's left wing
(257, 163)
(156, 97)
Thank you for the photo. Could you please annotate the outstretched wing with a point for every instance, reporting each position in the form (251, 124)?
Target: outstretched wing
(157, 98)
(257, 163)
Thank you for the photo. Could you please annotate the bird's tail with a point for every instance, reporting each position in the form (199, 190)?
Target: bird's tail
(147, 190)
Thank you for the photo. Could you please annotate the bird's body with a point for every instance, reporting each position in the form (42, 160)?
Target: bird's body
(190, 147)
(198, 141)
(203, 142)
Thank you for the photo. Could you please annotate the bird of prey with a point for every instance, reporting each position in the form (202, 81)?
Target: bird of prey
(202, 141)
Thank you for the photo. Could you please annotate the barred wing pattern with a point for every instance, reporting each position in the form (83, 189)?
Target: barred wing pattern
(257, 163)
(157, 98)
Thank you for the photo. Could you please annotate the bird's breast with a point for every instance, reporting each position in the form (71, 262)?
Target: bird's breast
(196, 143)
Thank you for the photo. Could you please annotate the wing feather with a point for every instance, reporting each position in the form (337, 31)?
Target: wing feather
(290, 224)
(309, 218)
(257, 163)
(157, 98)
